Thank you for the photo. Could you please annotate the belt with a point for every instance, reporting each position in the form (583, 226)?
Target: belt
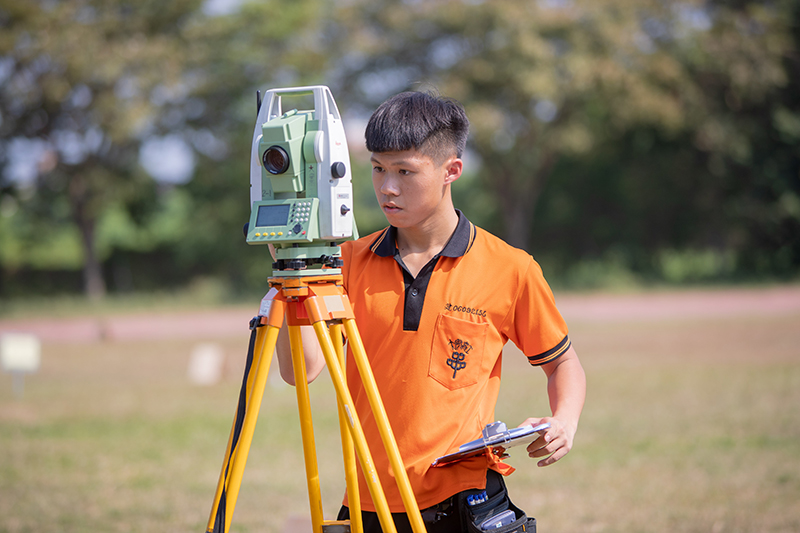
(441, 510)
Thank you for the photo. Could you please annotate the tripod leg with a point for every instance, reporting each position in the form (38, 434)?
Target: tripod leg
(242, 448)
(382, 420)
(362, 449)
(250, 418)
(348, 451)
(306, 427)
(256, 350)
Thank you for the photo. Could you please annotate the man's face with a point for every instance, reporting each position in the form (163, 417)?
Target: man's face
(411, 187)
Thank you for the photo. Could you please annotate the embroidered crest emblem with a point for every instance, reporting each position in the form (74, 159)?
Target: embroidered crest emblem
(457, 360)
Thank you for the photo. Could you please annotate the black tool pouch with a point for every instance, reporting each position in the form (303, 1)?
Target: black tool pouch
(477, 514)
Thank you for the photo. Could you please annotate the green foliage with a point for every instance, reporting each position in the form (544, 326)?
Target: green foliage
(691, 265)
(627, 135)
(89, 82)
(677, 102)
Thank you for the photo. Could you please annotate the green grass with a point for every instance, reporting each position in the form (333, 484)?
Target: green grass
(689, 426)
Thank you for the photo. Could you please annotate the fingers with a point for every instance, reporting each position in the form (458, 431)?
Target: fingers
(552, 451)
(558, 454)
(553, 445)
(531, 422)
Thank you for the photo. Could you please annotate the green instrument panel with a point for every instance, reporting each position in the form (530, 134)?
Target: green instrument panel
(288, 220)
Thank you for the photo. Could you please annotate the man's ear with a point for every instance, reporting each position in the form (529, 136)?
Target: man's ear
(453, 168)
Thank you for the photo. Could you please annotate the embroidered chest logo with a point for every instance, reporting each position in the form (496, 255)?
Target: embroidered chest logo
(457, 360)
(464, 309)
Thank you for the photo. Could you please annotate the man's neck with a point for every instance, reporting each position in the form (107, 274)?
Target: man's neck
(418, 245)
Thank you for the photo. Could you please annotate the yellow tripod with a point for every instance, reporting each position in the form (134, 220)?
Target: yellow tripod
(321, 302)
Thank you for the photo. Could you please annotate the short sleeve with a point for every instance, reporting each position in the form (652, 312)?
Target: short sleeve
(536, 325)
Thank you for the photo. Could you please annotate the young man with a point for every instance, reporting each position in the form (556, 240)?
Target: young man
(436, 298)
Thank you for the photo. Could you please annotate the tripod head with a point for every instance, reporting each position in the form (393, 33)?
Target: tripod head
(301, 192)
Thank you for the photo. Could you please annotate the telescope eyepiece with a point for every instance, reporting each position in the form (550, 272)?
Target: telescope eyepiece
(275, 160)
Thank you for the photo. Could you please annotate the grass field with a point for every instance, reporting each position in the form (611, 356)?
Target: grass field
(691, 425)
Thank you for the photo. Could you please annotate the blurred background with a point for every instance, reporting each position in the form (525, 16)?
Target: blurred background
(646, 152)
(621, 142)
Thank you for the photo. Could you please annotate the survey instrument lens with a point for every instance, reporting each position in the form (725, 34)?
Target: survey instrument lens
(276, 160)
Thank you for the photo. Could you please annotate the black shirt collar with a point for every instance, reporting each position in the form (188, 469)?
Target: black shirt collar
(458, 245)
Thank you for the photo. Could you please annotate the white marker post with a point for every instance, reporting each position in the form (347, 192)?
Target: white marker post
(206, 364)
(20, 354)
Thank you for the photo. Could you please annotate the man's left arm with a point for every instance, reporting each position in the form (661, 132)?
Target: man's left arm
(566, 389)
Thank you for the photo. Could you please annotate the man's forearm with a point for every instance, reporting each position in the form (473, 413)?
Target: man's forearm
(312, 353)
(566, 388)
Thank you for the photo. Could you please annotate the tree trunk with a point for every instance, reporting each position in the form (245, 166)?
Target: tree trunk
(93, 284)
(517, 217)
(518, 197)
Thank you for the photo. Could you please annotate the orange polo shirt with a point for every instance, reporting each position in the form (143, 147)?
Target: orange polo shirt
(434, 343)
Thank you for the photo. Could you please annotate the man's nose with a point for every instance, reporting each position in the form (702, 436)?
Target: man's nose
(389, 186)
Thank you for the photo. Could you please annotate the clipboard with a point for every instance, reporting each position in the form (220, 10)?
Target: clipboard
(496, 437)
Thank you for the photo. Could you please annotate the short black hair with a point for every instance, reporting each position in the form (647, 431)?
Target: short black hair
(432, 124)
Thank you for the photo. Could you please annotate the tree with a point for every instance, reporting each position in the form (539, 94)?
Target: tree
(748, 140)
(548, 80)
(86, 82)
(717, 200)
(86, 85)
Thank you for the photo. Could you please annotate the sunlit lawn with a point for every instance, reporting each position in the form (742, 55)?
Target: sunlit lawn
(689, 426)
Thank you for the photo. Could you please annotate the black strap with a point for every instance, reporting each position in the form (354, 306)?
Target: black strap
(219, 520)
